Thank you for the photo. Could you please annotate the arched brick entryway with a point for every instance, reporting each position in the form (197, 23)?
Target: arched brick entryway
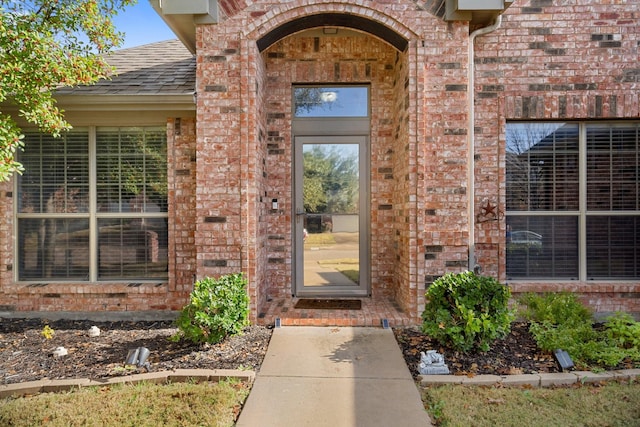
(248, 66)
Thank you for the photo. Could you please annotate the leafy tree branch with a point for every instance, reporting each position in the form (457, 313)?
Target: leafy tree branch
(44, 45)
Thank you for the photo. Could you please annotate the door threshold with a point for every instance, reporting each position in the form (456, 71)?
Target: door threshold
(328, 304)
(372, 313)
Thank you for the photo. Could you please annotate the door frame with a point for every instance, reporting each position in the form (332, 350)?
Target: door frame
(364, 286)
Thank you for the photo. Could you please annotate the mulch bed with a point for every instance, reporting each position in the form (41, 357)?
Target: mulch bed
(517, 353)
(26, 355)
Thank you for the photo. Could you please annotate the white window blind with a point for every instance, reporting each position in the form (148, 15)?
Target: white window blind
(131, 168)
(612, 168)
(63, 236)
(613, 201)
(569, 183)
(53, 202)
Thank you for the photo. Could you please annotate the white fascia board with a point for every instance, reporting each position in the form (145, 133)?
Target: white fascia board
(161, 102)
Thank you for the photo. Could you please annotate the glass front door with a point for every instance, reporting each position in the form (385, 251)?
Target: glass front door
(331, 236)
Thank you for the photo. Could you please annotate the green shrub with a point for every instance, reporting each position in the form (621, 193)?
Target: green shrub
(623, 331)
(467, 311)
(555, 308)
(217, 308)
(560, 321)
(580, 341)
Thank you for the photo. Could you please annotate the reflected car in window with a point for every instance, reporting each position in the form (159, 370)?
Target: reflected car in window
(524, 239)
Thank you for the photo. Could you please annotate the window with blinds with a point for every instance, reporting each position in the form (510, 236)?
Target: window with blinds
(613, 201)
(542, 167)
(612, 168)
(569, 183)
(77, 222)
(53, 207)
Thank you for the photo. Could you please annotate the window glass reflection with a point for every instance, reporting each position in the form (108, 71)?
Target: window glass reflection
(331, 101)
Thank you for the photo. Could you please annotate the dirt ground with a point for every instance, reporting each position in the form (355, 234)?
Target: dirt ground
(27, 355)
(517, 353)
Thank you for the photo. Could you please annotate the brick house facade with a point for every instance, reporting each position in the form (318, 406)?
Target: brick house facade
(439, 173)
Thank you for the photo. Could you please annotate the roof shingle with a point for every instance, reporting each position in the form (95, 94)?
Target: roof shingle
(162, 68)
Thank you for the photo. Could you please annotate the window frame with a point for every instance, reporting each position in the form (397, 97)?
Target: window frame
(93, 215)
(582, 213)
(330, 88)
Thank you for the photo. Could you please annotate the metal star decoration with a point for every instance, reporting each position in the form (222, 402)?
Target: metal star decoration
(489, 212)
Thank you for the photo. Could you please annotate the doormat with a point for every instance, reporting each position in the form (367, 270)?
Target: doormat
(329, 304)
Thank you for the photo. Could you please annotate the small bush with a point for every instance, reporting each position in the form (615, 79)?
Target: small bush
(580, 341)
(623, 331)
(560, 308)
(560, 321)
(217, 308)
(467, 311)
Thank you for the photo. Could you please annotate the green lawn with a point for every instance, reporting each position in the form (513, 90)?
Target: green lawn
(177, 404)
(319, 239)
(218, 404)
(348, 266)
(612, 404)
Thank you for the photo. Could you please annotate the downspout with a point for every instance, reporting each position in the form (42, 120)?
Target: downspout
(471, 167)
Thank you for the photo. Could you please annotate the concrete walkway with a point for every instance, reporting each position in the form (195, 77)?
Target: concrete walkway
(337, 377)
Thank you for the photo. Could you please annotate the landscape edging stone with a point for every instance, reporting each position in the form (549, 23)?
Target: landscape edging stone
(161, 377)
(535, 380)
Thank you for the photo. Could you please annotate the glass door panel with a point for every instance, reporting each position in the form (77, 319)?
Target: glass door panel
(331, 245)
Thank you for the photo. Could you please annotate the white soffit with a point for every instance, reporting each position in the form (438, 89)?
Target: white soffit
(182, 16)
(477, 12)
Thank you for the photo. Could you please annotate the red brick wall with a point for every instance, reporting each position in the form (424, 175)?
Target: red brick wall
(182, 222)
(549, 60)
(443, 193)
(268, 245)
(8, 300)
(347, 59)
(398, 127)
(171, 295)
(553, 60)
(389, 172)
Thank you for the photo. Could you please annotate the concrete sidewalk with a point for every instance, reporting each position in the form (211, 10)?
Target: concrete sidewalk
(337, 377)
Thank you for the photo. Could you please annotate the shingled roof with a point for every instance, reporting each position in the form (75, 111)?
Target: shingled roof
(162, 68)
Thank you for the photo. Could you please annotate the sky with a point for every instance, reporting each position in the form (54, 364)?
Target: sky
(141, 25)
